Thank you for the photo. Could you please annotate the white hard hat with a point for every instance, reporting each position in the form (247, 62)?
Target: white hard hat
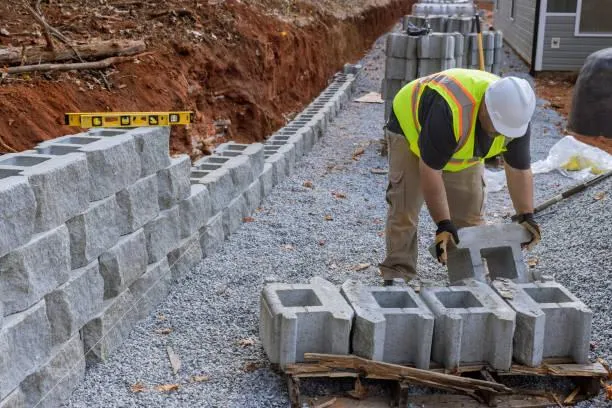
(510, 102)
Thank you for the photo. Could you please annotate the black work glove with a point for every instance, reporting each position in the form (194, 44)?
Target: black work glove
(530, 224)
(446, 236)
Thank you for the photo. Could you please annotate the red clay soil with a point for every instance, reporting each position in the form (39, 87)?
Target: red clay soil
(253, 64)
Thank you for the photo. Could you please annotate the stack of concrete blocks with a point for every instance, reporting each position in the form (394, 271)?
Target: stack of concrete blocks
(436, 52)
(492, 44)
(458, 9)
(401, 66)
(440, 24)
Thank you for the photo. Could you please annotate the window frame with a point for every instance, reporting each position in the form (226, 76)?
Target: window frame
(577, 32)
(561, 13)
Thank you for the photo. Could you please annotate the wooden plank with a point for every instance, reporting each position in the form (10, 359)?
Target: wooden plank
(578, 370)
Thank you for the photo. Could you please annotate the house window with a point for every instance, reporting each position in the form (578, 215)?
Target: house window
(512, 9)
(594, 18)
(561, 6)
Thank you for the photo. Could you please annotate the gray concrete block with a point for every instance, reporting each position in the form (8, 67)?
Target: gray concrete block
(25, 343)
(186, 256)
(79, 139)
(459, 51)
(437, 23)
(489, 56)
(241, 172)
(61, 188)
(390, 87)
(289, 152)
(74, 303)
(498, 56)
(15, 399)
(253, 151)
(52, 384)
(18, 211)
(498, 244)
(220, 187)
(35, 269)
(448, 64)
(151, 288)
(113, 165)
(296, 139)
(253, 196)
(388, 109)
(496, 69)
(472, 324)
(153, 147)
(93, 231)
(163, 234)
(122, 264)
(395, 68)
(266, 181)
(429, 66)
(436, 45)
(107, 331)
(212, 235)
(396, 45)
(137, 204)
(488, 40)
(385, 314)
(195, 210)
(278, 161)
(300, 318)
(550, 321)
(233, 214)
(173, 182)
(499, 39)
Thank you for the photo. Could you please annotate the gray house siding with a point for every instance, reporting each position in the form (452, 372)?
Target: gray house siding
(518, 32)
(572, 50)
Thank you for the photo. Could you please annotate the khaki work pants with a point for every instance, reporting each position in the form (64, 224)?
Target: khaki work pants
(464, 190)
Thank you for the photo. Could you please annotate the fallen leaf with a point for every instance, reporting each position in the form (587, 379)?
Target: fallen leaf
(378, 221)
(329, 218)
(361, 266)
(166, 330)
(200, 378)
(358, 152)
(322, 242)
(308, 184)
(600, 195)
(609, 392)
(167, 387)
(381, 234)
(338, 195)
(251, 366)
(248, 219)
(246, 342)
(288, 247)
(138, 387)
(532, 262)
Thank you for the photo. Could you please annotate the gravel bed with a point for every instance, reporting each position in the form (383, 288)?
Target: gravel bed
(217, 305)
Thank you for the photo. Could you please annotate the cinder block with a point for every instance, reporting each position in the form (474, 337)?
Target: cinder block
(15, 399)
(122, 264)
(390, 87)
(52, 384)
(385, 314)
(18, 206)
(253, 196)
(396, 45)
(186, 256)
(61, 188)
(437, 23)
(153, 146)
(212, 235)
(79, 139)
(93, 231)
(25, 343)
(496, 69)
(499, 39)
(459, 51)
(266, 180)
(388, 109)
(137, 204)
(220, 186)
(472, 324)
(412, 48)
(107, 331)
(295, 319)
(173, 182)
(151, 288)
(289, 152)
(436, 45)
(195, 210)
(498, 56)
(241, 172)
(448, 64)
(35, 269)
(113, 165)
(254, 151)
(233, 214)
(74, 303)
(278, 161)
(429, 66)
(489, 56)
(488, 40)
(395, 68)
(162, 233)
(296, 139)
(499, 244)
(550, 321)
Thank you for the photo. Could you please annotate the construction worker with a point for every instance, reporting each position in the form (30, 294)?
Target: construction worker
(441, 129)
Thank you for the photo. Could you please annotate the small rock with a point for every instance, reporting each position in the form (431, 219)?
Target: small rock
(4, 32)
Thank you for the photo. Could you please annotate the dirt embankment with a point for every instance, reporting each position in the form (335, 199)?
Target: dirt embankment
(253, 64)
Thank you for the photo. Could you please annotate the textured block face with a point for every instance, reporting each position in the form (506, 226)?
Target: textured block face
(241, 172)
(113, 165)
(122, 264)
(52, 385)
(25, 343)
(266, 180)
(18, 211)
(253, 196)
(162, 234)
(137, 204)
(93, 231)
(395, 68)
(151, 288)
(61, 188)
(212, 235)
(186, 256)
(220, 188)
(233, 215)
(279, 163)
(15, 399)
(30, 272)
(173, 182)
(195, 210)
(73, 304)
(152, 145)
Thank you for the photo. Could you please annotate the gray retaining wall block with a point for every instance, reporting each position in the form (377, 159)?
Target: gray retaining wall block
(498, 57)
(488, 40)
(79, 139)
(122, 264)
(186, 256)
(195, 210)
(412, 70)
(163, 234)
(18, 206)
(241, 172)
(395, 68)
(253, 196)
(15, 399)
(107, 331)
(233, 214)
(299, 318)
(266, 180)
(496, 69)
(278, 161)
(499, 244)
(212, 235)
(173, 181)
(289, 152)
(151, 288)
(472, 324)
(550, 321)
(152, 145)
(137, 204)
(93, 231)
(25, 343)
(54, 382)
(396, 45)
(436, 45)
(220, 187)
(74, 303)
(390, 88)
(254, 151)
(388, 108)
(282, 139)
(35, 269)
(383, 316)
(429, 66)
(113, 165)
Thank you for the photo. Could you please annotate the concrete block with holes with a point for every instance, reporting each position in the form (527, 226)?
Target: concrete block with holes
(489, 252)
(18, 211)
(186, 256)
(395, 68)
(436, 46)
(278, 161)
(429, 66)
(173, 182)
(162, 234)
(195, 210)
(396, 45)
(137, 204)
(303, 318)
(253, 151)
(550, 321)
(219, 183)
(212, 235)
(152, 145)
(253, 197)
(472, 325)
(385, 314)
(151, 288)
(266, 180)
(233, 215)
(281, 139)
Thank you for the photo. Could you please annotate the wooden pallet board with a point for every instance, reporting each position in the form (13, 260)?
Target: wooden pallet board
(432, 401)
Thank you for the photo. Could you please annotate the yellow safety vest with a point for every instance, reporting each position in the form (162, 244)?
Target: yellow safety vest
(463, 90)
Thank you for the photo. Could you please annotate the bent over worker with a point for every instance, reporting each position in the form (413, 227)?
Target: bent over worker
(439, 133)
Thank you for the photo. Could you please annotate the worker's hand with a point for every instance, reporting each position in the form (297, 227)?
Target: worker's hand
(446, 237)
(530, 224)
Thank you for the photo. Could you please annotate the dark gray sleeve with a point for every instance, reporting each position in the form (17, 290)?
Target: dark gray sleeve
(437, 141)
(518, 155)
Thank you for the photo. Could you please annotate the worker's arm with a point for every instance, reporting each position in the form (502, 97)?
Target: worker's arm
(434, 192)
(520, 186)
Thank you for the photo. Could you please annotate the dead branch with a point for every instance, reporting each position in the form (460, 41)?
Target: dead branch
(102, 64)
(46, 27)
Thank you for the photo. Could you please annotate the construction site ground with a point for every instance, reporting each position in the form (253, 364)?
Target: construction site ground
(328, 220)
